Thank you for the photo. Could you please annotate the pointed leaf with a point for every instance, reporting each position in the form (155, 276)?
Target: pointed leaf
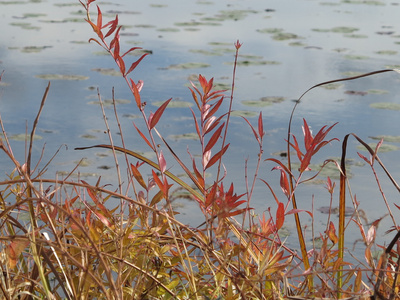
(216, 157)
(214, 108)
(252, 128)
(280, 215)
(99, 18)
(332, 233)
(135, 64)
(136, 94)
(157, 115)
(113, 25)
(200, 178)
(157, 198)
(143, 136)
(138, 176)
(214, 138)
(162, 162)
(260, 126)
(196, 123)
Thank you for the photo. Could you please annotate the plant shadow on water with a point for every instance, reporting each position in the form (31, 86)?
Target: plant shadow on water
(234, 244)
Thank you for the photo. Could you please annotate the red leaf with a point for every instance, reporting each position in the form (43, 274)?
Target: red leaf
(214, 138)
(99, 18)
(332, 233)
(213, 125)
(200, 178)
(252, 128)
(136, 93)
(216, 157)
(296, 211)
(135, 64)
(364, 158)
(157, 198)
(260, 126)
(164, 187)
(138, 176)
(14, 250)
(143, 136)
(162, 162)
(113, 25)
(280, 215)
(121, 64)
(196, 123)
(285, 184)
(215, 107)
(195, 96)
(157, 115)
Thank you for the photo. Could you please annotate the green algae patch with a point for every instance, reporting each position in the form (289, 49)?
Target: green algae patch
(332, 86)
(107, 71)
(25, 25)
(264, 101)
(387, 138)
(270, 30)
(386, 52)
(365, 2)
(284, 36)
(174, 104)
(383, 148)
(244, 113)
(184, 136)
(23, 137)
(190, 65)
(34, 49)
(109, 102)
(356, 57)
(385, 105)
(61, 77)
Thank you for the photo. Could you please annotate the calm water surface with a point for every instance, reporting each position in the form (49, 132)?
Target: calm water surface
(288, 46)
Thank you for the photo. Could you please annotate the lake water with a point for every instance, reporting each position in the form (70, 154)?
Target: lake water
(288, 46)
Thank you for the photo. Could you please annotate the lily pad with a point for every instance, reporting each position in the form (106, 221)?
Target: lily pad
(383, 147)
(332, 86)
(184, 66)
(348, 211)
(264, 101)
(168, 29)
(356, 57)
(185, 136)
(244, 113)
(61, 77)
(109, 102)
(386, 52)
(88, 136)
(366, 2)
(356, 93)
(377, 92)
(174, 103)
(23, 137)
(24, 25)
(283, 36)
(255, 62)
(344, 29)
(108, 71)
(206, 52)
(34, 49)
(387, 138)
(270, 30)
(385, 105)
(356, 36)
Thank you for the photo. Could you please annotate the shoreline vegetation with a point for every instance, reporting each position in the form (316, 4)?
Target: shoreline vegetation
(60, 239)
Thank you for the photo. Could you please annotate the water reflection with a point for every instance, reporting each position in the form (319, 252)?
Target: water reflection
(204, 32)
